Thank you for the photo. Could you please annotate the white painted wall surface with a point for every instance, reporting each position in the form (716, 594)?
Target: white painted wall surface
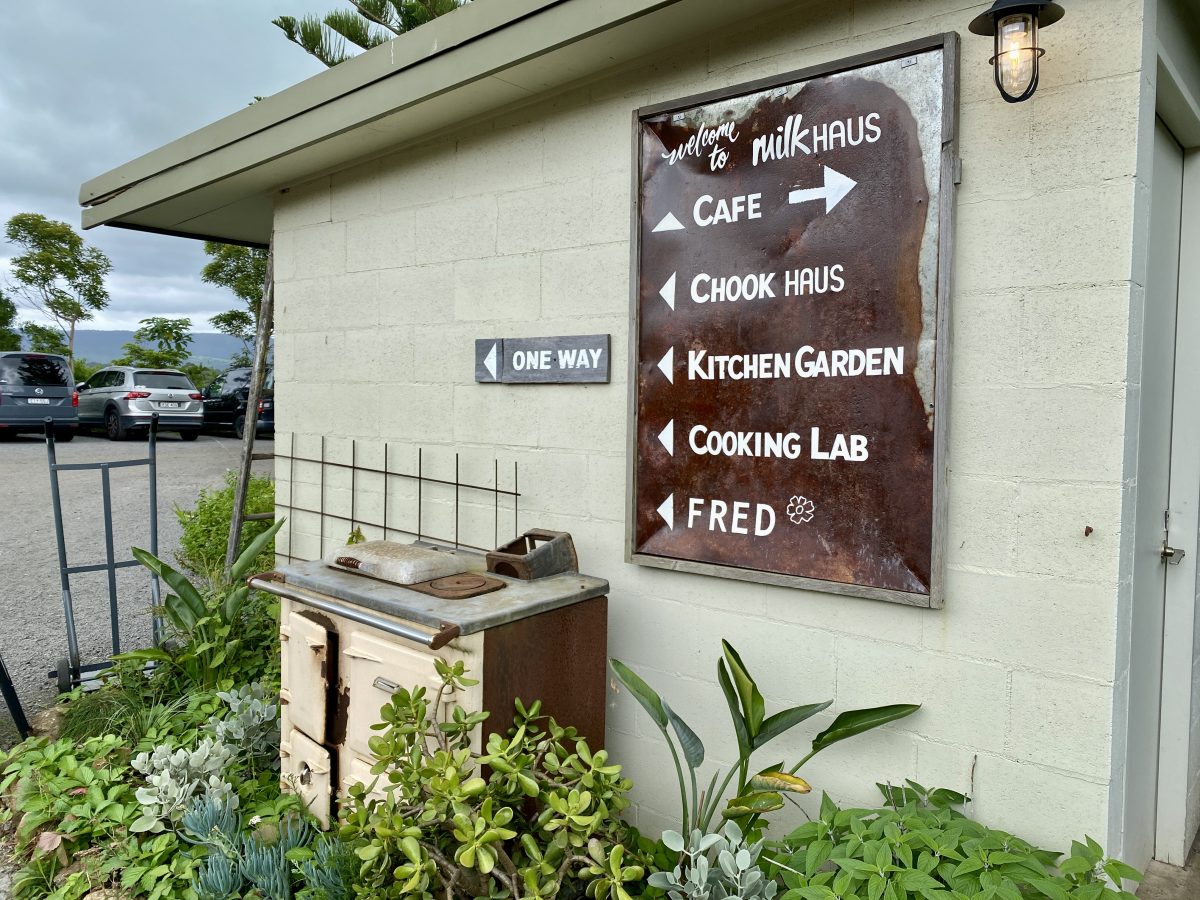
(520, 226)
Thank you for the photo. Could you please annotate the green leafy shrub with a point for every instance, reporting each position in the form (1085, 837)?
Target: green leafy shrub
(206, 528)
(541, 820)
(755, 794)
(923, 846)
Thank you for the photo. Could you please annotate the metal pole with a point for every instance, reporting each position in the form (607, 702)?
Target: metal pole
(64, 578)
(156, 623)
(110, 559)
(258, 373)
(13, 702)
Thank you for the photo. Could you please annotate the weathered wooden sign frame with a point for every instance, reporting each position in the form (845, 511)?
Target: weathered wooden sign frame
(947, 179)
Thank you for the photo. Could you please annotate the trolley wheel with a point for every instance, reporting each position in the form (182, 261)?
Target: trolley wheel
(64, 675)
(113, 426)
(239, 427)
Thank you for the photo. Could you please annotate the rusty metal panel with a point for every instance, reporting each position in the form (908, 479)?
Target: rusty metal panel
(791, 267)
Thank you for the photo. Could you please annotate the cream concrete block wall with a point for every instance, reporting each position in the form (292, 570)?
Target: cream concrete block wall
(520, 226)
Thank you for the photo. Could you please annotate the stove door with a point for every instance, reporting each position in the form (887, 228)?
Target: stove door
(305, 770)
(306, 647)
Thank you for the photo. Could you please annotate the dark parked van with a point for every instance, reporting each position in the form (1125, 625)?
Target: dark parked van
(225, 402)
(32, 387)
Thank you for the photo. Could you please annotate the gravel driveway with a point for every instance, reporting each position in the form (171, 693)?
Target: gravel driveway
(32, 633)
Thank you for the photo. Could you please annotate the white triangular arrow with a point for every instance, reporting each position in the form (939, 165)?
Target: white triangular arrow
(835, 189)
(667, 510)
(667, 291)
(666, 437)
(670, 223)
(666, 365)
(489, 361)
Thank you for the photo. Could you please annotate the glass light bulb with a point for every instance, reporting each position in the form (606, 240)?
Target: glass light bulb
(1016, 53)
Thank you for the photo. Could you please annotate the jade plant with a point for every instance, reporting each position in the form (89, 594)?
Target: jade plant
(756, 793)
(536, 811)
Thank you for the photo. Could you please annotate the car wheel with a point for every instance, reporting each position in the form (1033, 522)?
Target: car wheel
(113, 427)
(64, 436)
(189, 435)
(239, 427)
(6, 435)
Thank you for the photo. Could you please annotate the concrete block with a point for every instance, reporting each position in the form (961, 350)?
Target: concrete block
(409, 412)
(606, 491)
(1085, 133)
(456, 229)
(318, 250)
(1051, 538)
(382, 242)
(1063, 723)
(417, 294)
(500, 414)
(845, 615)
(1075, 336)
(492, 159)
(498, 289)
(355, 192)
(416, 176)
(1063, 433)
(575, 122)
(612, 203)
(986, 337)
(983, 522)
(1043, 806)
(586, 281)
(944, 766)
(1020, 621)
(545, 218)
(771, 39)
(305, 204)
(1088, 227)
(580, 421)
(870, 673)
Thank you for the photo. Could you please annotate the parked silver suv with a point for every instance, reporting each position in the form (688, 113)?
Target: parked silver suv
(122, 398)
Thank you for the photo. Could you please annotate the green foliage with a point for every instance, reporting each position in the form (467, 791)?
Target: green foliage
(10, 337)
(923, 846)
(198, 373)
(129, 706)
(759, 793)
(242, 270)
(56, 273)
(542, 814)
(45, 340)
(206, 528)
(158, 343)
(174, 777)
(369, 24)
(83, 369)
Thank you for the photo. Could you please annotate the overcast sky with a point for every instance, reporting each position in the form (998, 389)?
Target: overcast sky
(86, 86)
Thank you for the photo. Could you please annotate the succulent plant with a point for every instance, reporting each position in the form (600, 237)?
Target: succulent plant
(252, 723)
(174, 777)
(714, 866)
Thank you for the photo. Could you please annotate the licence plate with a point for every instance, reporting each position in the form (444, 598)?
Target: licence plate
(169, 405)
(41, 400)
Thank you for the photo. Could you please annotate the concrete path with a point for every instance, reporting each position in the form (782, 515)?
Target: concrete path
(1164, 882)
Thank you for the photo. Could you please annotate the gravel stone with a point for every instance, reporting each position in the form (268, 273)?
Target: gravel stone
(32, 629)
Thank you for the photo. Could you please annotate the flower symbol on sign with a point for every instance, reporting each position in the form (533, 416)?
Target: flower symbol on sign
(800, 510)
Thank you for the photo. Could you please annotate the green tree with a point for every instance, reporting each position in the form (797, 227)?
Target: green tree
(243, 271)
(10, 338)
(199, 373)
(44, 340)
(56, 273)
(369, 24)
(158, 343)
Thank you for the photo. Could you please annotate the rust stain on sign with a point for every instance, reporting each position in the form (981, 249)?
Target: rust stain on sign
(787, 307)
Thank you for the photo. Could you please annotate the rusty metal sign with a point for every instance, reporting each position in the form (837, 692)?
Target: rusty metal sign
(790, 287)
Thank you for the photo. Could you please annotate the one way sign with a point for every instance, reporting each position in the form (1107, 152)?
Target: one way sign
(567, 359)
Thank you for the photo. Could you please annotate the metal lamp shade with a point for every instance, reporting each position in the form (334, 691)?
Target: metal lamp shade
(1014, 25)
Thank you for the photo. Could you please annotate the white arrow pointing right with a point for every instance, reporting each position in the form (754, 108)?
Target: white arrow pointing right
(835, 189)
(666, 509)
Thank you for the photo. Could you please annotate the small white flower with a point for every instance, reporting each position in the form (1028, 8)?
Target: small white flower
(255, 821)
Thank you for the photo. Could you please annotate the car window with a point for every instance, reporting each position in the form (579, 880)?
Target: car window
(237, 378)
(47, 371)
(114, 378)
(176, 380)
(215, 388)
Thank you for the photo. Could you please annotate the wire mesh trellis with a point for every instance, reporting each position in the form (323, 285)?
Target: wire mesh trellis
(381, 481)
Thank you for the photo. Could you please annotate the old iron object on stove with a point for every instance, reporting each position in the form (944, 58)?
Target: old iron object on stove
(535, 554)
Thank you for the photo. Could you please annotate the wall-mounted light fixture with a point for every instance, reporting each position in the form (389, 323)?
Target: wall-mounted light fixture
(1014, 24)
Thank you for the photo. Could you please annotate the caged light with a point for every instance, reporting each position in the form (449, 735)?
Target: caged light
(1014, 25)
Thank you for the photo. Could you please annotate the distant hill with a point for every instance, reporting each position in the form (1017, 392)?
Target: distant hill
(104, 346)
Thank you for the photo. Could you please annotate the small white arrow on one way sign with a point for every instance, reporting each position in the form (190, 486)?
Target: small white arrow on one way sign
(836, 187)
(489, 361)
(667, 510)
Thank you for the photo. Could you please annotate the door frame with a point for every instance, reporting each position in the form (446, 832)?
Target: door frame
(1179, 108)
